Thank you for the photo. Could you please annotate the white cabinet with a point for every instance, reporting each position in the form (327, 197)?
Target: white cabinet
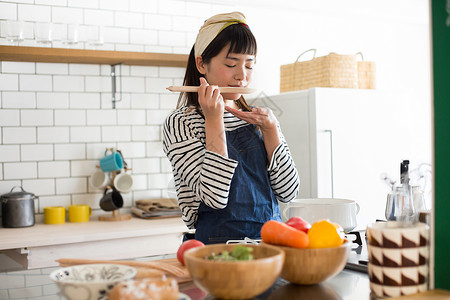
(343, 140)
(39, 246)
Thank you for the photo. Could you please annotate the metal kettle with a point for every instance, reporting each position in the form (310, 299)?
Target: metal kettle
(17, 208)
(400, 204)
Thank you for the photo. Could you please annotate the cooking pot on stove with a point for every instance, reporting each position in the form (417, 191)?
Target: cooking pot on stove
(341, 211)
(17, 208)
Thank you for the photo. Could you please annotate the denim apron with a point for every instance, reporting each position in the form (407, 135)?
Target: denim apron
(251, 201)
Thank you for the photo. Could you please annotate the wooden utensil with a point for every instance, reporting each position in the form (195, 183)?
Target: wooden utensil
(168, 267)
(222, 89)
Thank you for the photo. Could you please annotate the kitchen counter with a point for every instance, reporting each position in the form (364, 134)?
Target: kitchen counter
(38, 246)
(347, 285)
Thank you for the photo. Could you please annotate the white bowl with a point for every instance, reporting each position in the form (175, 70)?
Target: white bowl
(93, 281)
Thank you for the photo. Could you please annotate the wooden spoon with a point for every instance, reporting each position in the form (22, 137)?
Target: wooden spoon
(222, 89)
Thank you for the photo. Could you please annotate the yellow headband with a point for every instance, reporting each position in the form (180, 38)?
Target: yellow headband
(213, 26)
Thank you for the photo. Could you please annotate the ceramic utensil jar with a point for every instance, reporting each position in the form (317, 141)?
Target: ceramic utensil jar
(18, 208)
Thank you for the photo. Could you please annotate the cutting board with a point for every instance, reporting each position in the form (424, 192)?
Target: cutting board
(144, 268)
(428, 295)
(173, 262)
(176, 263)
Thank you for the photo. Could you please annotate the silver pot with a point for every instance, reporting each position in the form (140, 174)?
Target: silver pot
(18, 208)
(341, 211)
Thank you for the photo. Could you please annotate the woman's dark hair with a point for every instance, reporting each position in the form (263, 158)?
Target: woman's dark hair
(241, 41)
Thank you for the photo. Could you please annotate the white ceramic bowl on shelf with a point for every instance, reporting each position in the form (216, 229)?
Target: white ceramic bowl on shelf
(89, 282)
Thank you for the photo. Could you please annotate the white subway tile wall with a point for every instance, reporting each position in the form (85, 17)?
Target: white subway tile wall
(50, 68)
(56, 119)
(45, 201)
(10, 153)
(70, 117)
(36, 152)
(20, 100)
(8, 11)
(55, 169)
(9, 117)
(70, 151)
(40, 186)
(44, 100)
(20, 170)
(84, 100)
(66, 15)
(37, 13)
(9, 82)
(35, 83)
(31, 284)
(19, 135)
(52, 134)
(18, 67)
(40, 117)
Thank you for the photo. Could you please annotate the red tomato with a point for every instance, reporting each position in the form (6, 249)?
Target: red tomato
(186, 246)
(299, 223)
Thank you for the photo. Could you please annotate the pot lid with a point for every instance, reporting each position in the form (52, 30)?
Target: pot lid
(21, 195)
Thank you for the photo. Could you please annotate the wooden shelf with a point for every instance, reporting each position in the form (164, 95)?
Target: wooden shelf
(81, 56)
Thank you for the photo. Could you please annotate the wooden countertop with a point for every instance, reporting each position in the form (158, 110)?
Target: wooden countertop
(46, 235)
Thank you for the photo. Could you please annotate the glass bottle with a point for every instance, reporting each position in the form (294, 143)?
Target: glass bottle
(404, 197)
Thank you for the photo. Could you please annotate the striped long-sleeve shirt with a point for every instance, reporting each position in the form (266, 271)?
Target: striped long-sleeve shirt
(204, 176)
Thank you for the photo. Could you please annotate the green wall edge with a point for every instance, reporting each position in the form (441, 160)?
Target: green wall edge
(441, 86)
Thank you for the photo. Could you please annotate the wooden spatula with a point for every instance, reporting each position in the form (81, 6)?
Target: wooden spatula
(168, 268)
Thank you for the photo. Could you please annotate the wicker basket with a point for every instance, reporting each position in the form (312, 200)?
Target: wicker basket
(366, 73)
(332, 70)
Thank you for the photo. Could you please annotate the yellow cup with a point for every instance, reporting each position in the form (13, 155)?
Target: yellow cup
(54, 215)
(79, 213)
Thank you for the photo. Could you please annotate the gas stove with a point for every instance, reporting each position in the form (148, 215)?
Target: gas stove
(359, 257)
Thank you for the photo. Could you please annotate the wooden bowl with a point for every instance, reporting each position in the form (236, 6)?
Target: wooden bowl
(311, 266)
(234, 279)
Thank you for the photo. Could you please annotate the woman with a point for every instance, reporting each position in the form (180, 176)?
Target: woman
(230, 161)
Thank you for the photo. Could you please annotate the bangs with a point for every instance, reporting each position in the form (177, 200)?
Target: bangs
(238, 36)
(241, 40)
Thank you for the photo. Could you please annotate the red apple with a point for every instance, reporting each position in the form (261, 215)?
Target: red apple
(186, 246)
(299, 223)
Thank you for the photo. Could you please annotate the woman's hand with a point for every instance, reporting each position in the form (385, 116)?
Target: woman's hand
(213, 106)
(265, 120)
(261, 117)
(210, 100)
